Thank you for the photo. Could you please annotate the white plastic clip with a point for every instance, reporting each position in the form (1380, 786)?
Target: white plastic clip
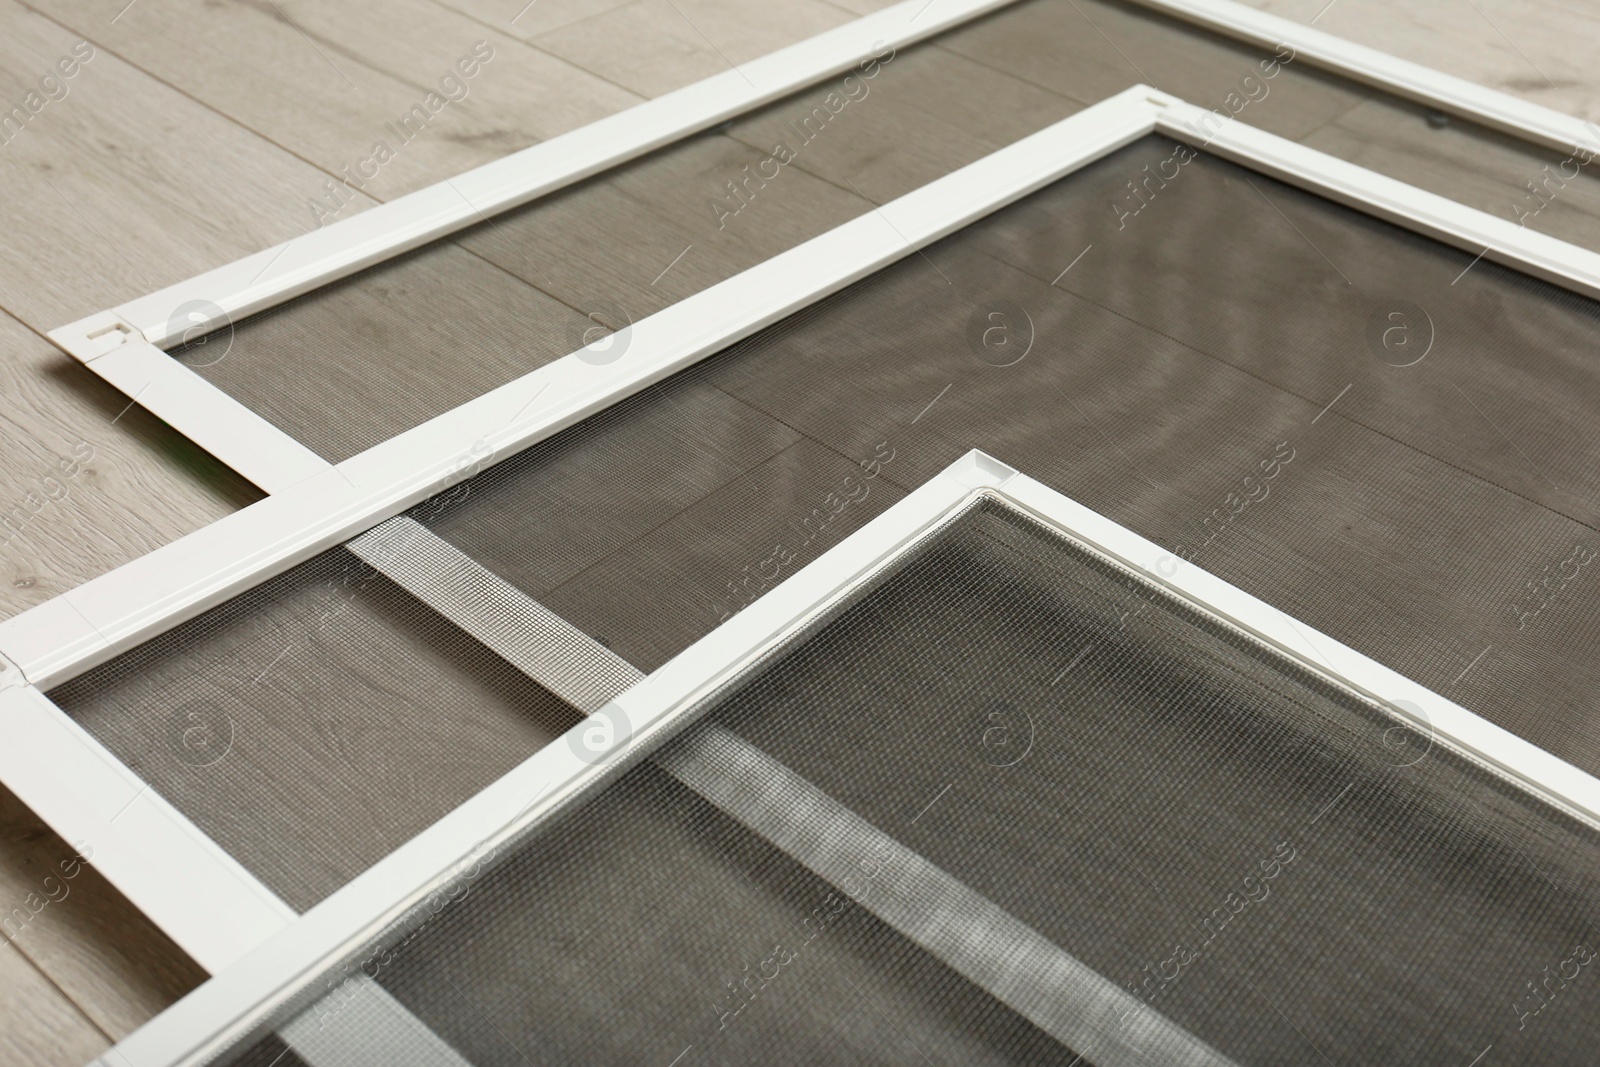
(90, 338)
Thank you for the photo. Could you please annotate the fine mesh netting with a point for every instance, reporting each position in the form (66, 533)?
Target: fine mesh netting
(1217, 373)
(354, 363)
(1008, 804)
(1205, 372)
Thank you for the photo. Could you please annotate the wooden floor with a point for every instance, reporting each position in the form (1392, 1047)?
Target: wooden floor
(197, 132)
(1540, 50)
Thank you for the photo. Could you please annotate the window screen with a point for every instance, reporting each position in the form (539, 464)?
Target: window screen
(1010, 803)
(352, 364)
(1206, 373)
(1217, 372)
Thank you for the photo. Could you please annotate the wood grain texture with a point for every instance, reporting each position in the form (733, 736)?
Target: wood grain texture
(1519, 348)
(1477, 167)
(125, 185)
(528, 20)
(519, 97)
(1091, 49)
(632, 242)
(39, 1026)
(863, 7)
(689, 569)
(1538, 50)
(327, 81)
(897, 125)
(675, 444)
(100, 950)
(359, 361)
(89, 481)
(653, 46)
(354, 363)
(342, 719)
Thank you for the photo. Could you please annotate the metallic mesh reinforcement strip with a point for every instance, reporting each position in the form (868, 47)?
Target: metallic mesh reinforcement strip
(530, 636)
(996, 951)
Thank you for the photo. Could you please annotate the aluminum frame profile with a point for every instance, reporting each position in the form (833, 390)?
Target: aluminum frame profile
(1401, 77)
(245, 996)
(124, 345)
(71, 633)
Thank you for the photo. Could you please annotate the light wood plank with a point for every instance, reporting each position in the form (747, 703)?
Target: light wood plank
(89, 481)
(38, 1025)
(519, 97)
(1533, 49)
(354, 363)
(354, 720)
(919, 116)
(1477, 167)
(125, 185)
(1090, 49)
(1460, 161)
(653, 46)
(863, 7)
(157, 187)
(101, 951)
(686, 569)
(634, 241)
(528, 20)
(682, 442)
(327, 81)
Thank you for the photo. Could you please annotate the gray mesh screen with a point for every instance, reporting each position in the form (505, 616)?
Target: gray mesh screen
(1203, 374)
(352, 364)
(1091, 809)
(315, 723)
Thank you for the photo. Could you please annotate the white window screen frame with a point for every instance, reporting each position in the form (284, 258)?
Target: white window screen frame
(152, 853)
(238, 1000)
(126, 345)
